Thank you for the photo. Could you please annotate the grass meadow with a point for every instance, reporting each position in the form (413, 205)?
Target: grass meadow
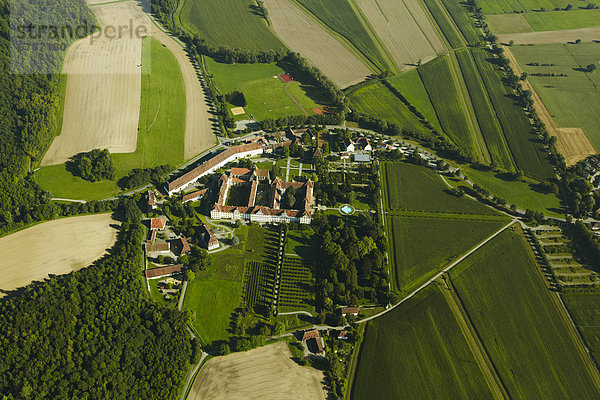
(543, 21)
(341, 16)
(264, 91)
(585, 311)
(417, 351)
(410, 187)
(574, 100)
(232, 24)
(421, 247)
(160, 137)
(511, 309)
(509, 6)
(378, 101)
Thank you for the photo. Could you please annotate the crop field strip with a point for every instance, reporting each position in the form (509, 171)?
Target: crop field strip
(508, 304)
(511, 6)
(463, 21)
(342, 17)
(422, 343)
(447, 26)
(583, 307)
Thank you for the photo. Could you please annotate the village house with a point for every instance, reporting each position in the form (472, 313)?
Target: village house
(363, 144)
(163, 271)
(183, 246)
(349, 145)
(313, 340)
(158, 223)
(157, 248)
(150, 200)
(210, 240)
(349, 310)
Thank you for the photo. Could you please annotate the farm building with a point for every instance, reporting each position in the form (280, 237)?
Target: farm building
(183, 247)
(264, 199)
(150, 200)
(349, 310)
(211, 165)
(361, 157)
(313, 340)
(160, 248)
(198, 194)
(210, 241)
(363, 144)
(158, 223)
(342, 335)
(164, 271)
(349, 145)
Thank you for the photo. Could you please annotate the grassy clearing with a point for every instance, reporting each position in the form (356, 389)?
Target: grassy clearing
(510, 307)
(378, 101)
(574, 100)
(519, 193)
(410, 187)
(449, 30)
(585, 310)
(446, 99)
(411, 86)
(233, 24)
(527, 151)
(161, 130)
(508, 23)
(417, 351)
(561, 20)
(264, 91)
(340, 16)
(486, 116)
(422, 247)
(509, 6)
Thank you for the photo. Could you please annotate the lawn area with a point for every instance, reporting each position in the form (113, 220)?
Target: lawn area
(341, 17)
(515, 192)
(560, 20)
(378, 101)
(410, 187)
(445, 96)
(509, 6)
(421, 247)
(264, 91)
(585, 311)
(412, 88)
(161, 130)
(232, 24)
(573, 100)
(213, 300)
(519, 325)
(418, 351)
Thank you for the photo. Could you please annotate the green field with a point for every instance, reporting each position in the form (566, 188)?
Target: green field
(543, 21)
(232, 24)
(161, 131)
(342, 17)
(573, 100)
(449, 29)
(264, 91)
(223, 277)
(527, 151)
(489, 125)
(423, 246)
(509, 6)
(443, 92)
(412, 88)
(522, 194)
(410, 187)
(463, 21)
(585, 311)
(417, 351)
(515, 318)
(507, 23)
(378, 101)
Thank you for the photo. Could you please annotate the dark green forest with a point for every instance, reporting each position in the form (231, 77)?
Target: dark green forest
(94, 334)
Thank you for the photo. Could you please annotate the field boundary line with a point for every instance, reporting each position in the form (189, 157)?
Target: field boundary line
(470, 334)
(435, 25)
(452, 22)
(442, 272)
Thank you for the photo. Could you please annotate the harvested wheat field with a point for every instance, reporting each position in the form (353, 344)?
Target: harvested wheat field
(305, 36)
(564, 36)
(574, 145)
(264, 373)
(404, 29)
(55, 247)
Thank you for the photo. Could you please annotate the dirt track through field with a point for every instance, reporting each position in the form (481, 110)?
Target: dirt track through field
(564, 36)
(265, 373)
(55, 247)
(572, 143)
(103, 93)
(303, 35)
(404, 29)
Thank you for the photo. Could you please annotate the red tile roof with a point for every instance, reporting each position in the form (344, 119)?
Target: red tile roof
(158, 223)
(185, 246)
(310, 334)
(349, 310)
(151, 198)
(157, 247)
(162, 271)
(194, 195)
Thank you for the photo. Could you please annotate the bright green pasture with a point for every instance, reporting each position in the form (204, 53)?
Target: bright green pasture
(560, 20)
(231, 23)
(585, 310)
(161, 130)
(519, 325)
(573, 100)
(343, 17)
(263, 89)
(418, 351)
(509, 6)
(378, 101)
(411, 187)
(423, 246)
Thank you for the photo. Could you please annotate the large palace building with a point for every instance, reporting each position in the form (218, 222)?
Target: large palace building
(250, 194)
